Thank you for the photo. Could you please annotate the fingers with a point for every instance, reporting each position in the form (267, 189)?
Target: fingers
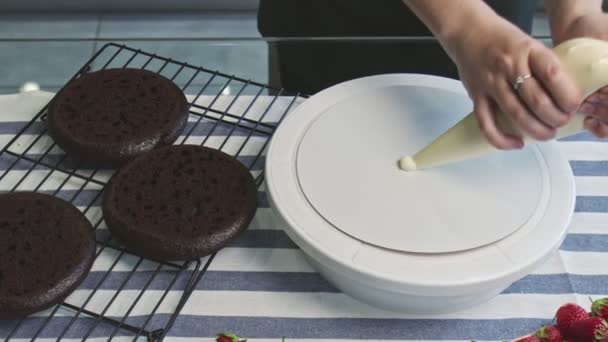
(547, 69)
(599, 96)
(597, 127)
(543, 102)
(539, 106)
(487, 124)
(539, 103)
(521, 116)
(597, 106)
(597, 121)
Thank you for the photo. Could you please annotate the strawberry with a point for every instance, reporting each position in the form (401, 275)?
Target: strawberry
(600, 308)
(549, 333)
(531, 338)
(223, 337)
(568, 313)
(592, 329)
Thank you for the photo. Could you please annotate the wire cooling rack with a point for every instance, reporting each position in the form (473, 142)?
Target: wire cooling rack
(37, 164)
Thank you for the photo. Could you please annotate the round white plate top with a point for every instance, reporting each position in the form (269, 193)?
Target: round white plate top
(347, 168)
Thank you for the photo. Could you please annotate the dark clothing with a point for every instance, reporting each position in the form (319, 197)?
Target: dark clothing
(312, 66)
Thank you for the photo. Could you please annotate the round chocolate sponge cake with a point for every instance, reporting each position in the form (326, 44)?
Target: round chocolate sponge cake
(179, 202)
(46, 250)
(110, 116)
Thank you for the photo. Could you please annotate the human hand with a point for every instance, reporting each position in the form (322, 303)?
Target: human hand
(490, 56)
(593, 25)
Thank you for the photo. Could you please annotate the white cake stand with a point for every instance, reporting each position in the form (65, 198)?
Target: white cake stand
(430, 241)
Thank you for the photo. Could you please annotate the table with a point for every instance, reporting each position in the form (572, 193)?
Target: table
(262, 287)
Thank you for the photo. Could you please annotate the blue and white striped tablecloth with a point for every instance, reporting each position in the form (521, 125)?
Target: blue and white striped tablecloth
(262, 288)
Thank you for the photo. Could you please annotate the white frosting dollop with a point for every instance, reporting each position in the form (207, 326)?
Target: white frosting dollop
(407, 164)
(29, 86)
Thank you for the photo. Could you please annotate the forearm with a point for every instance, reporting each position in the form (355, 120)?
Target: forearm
(449, 20)
(562, 13)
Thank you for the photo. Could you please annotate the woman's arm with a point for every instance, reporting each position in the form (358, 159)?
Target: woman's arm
(445, 19)
(491, 53)
(563, 13)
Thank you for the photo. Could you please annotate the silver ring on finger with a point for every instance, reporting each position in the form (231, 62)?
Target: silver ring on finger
(520, 80)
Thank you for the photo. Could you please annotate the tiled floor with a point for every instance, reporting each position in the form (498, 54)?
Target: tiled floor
(48, 49)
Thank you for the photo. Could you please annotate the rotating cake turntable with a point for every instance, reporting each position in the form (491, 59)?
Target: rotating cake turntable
(437, 240)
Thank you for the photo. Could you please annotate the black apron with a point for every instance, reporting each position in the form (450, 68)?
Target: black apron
(315, 65)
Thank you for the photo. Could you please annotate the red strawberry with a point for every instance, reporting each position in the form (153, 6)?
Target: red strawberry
(223, 338)
(568, 313)
(228, 338)
(549, 333)
(592, 329)
(528, 339)
(600, 308)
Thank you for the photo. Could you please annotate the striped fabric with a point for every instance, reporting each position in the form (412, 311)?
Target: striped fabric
(262, 288)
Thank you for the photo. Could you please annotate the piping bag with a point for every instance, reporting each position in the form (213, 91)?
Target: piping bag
(585, 59)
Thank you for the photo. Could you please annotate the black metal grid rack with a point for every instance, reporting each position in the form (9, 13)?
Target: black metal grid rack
(36, 164)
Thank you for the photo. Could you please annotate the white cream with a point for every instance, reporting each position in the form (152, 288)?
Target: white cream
(586, 59)
(407, 164)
